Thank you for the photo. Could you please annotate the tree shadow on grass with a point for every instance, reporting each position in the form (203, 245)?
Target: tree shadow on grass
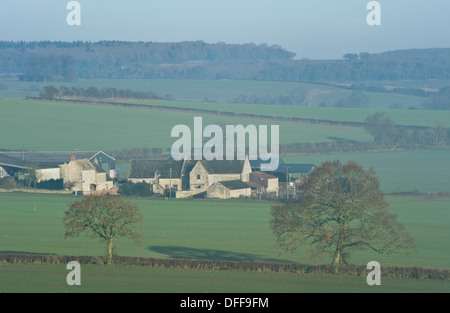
(186, 253)
(25, 253)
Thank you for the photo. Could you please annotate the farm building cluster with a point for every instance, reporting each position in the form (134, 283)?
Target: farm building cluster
(90, 173)
(96, 173)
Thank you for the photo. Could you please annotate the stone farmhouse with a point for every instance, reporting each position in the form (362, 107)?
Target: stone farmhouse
(162, 175)
(20, 160)
(91, 174)
(229, 189)
(194, 178)
(263, 183)
(85, 176)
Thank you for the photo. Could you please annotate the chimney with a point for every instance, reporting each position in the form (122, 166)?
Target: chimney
(72, 157)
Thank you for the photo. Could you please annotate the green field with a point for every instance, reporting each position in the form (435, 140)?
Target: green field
(121, 279)
(208, 229)
(403, 117)
(398, 171)
(192, 93)
(217, 90)
(217, 230)
(52, 126)
(236, 230)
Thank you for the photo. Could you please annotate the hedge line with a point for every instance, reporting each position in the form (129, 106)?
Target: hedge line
(347, 270)
(222, 113)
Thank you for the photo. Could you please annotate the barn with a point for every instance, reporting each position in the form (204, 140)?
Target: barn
(228, 189)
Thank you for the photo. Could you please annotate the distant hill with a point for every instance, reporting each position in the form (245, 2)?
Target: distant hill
(67, 61)
(47, 61)
(413, 64)
(416, 53)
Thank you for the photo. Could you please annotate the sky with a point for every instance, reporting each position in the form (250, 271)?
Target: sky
(315, 29)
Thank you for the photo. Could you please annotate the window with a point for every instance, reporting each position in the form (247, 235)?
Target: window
(199, 176)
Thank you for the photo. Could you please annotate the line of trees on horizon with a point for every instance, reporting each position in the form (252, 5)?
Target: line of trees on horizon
(52, 92)
(50, 61)
(387, 134)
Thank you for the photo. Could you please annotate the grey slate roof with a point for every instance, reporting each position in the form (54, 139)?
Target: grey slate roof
(85, 164)
(147, 168)
(234, 184)
(7, 160)
(53, 157)
(223, 167)
(50, 159)
(283, 167)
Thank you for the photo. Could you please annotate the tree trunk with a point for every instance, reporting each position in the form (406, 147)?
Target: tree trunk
(110, 251)
(337, 258)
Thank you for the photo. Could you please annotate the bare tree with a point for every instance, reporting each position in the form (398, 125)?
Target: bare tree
(103, 217)
(340, 210)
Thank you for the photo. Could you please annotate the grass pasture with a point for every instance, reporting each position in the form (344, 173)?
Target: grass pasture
(122, 279)
(398, 171)
(216, 90)
(426, 118)
(217, 230)
(235, 230)
(53, 126)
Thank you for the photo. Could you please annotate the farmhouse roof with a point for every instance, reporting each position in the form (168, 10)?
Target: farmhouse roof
(263, 175)
(102, 153)
(147, 168)
(188, 165)
(234, 184)
(223, 166)
(98, 168)
(85, 164)
(6, 160)
(254, 185)
(48, 157)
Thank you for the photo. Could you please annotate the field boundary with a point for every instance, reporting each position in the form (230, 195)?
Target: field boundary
(221, 113)
(39, 191)
(247, 266)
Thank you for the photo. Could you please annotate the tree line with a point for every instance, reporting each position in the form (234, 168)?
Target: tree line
(387, 134)
(439, 101)
(119, 59)
(357, 99)
(50, 61)
(52, 92)
(50, 68)
(295, 97)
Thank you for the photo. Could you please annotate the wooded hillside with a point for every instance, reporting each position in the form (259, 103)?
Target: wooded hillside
(67, 61)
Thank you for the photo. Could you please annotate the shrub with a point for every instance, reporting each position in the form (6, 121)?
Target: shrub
(135, 189)
(8, 183)
(51, 184)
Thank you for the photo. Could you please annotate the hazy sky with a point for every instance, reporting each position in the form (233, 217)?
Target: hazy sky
(315, 28)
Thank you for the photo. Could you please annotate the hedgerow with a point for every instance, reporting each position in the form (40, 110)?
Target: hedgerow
(247, 266)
